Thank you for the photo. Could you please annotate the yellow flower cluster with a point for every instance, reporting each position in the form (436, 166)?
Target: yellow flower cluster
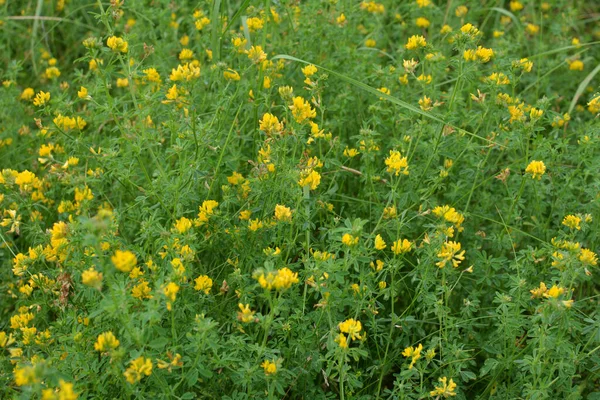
(396, 163)
(203, 284)
(450, 252)
(352, 328)
(536, 169)
(414, 353)
(106, 341)
(138, 368)
(117, 44)
(270, 124)
(124, 261)
(446, 389)
(301, 110)
(281, 279)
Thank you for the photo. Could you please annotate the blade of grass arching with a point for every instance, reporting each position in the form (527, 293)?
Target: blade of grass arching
(582, 86)
(215, 34)
(560, 64)
(29, 17)
(515, 20)
(392, 99)
(36, 21)
(377, 51)
(561, 49)
(246, 32)
(237, 14)
(508, 14)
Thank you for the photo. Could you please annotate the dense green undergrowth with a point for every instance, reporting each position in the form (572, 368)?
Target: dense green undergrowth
(285, 199)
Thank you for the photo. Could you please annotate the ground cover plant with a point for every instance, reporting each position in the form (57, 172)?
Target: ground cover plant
(299, 199)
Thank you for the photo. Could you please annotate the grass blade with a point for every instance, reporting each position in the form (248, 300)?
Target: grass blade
(392, 99)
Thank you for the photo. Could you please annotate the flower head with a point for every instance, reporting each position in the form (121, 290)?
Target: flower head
(138, 368)
(536, 169)
(117, 44)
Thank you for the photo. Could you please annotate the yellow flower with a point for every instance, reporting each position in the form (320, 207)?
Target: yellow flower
(593, 105)
(82, 93)
(572, 221)
(515, 6)
(255, 225)
(450, 251)
(283, 213)
(186, 54)
(245, 314)
(396, 163)
(301, 109)
(152, 75)
(445, 29)
(41, 98)
(414, 352)
(539, 292)
(575, 65)
(446, 389)
(142, 291)
(414, 42)
(231, 75)
(92, 278)
(117, 44)
(6, 340)
(470, 30)
(350, 153)
(425, 103)
(185, 72)
(203, 283)
(137, 369)
(170, 292)
(183, 224)
(390, 212)
(498, 78)
(341, 341)
(205, 211)
(309, 70)
(52, 73)
(27, 94)
(422, 22)
(124, 261)
(269, 367)
(523, 64)
(536, 169)
(351, 327)
(554, 292)
(106, 341)
(65, 392)
(588, 257)
(450, 214)
(379, 243)
(461, 11)
(401, 246)
(256, 54)
(255, 24)
(122, 82)
(280, 280)
(25, 375)
(310, 178)
(349, 240)
(270, 124)
(245, 215)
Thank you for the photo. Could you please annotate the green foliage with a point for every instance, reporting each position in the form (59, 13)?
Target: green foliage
(317, 199)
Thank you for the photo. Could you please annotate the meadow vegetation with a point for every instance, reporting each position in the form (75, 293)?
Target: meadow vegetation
(395, 199)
